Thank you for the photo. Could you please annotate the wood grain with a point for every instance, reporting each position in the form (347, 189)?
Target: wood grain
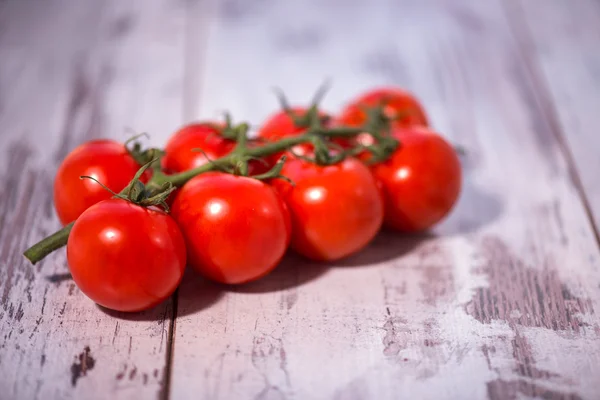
(498, 303)
(561, 41)
(72, 71)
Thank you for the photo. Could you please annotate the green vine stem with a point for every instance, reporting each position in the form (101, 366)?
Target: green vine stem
(58, 239)
(159, 180)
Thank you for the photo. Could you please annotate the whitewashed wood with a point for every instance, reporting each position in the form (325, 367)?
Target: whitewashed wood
(562, 38)
(410, 318)
(500, 304)
(71, 71)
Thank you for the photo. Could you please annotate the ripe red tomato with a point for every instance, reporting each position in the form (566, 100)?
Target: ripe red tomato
(336, 210)
(399, 105)
(126, 257)
(106, 160)
(281, 125)
(180, 156)
(236, 228)
(421, 181)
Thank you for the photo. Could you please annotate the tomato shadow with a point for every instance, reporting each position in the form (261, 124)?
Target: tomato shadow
(477, 206)
(196, 293)
(160, 312)
(59, 278)
(386, 246)
(193, 295)
(293, 271)
(476, 209)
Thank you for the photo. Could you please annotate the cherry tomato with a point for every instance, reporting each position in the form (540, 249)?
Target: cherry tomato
(282, 125)
(106, 160)
(126, 257)
(180, 155)
(236, 228)
(399, 105)
(421, 181)
(336, 210)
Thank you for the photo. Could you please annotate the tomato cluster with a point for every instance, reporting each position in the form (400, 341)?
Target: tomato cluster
(129, 255)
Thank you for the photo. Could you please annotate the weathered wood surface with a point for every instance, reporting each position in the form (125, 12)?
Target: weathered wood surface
(569, 66)
(499, 302)
(70, 71)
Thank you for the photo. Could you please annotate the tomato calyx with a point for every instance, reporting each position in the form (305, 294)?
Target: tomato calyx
(236, 162)
(137, 152)
(312, 118)
(379, 128)
(275, 173)
(137, 193)
(381, 144)
(325, 152)
(387, 114)
(233, 131)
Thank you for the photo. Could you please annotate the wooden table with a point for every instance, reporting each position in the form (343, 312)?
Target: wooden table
(501, 301)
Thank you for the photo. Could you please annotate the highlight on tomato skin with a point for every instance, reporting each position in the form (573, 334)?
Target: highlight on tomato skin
(106, 160)
(126, 257)
(336, 210)
(420, 182)
(179, 154)
(182, 149)
(237, 228)
(399, 105)
(280, 125)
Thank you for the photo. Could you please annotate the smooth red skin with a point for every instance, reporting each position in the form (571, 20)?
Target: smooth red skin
(336, 210)
(180, 155)
(126, 257)
(236, 228)
(421, 182)
(106, 160)
(280, 125)
(395, 101)
(367, 139)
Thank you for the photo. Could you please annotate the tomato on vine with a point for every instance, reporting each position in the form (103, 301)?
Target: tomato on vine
(399, 106)
(179, 154)
(420, 182)
(236, 228)
(107, 161)
(197, 144)
(292, 122)
(124, 256)
(336, 209)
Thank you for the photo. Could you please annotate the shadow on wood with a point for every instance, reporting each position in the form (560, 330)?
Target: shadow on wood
(59, 278)
(476, 209)
(296, 270)
(293, 271)
(196, 293)
(386, 246)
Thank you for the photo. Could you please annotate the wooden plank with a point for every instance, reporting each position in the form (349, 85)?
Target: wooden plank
(562, 38)
(500, 303)
(71, 71)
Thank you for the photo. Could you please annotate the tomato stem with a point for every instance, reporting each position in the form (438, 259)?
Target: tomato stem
(58, 239)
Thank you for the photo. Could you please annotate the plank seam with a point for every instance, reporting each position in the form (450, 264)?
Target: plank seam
(166, 386)
(543, 96)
